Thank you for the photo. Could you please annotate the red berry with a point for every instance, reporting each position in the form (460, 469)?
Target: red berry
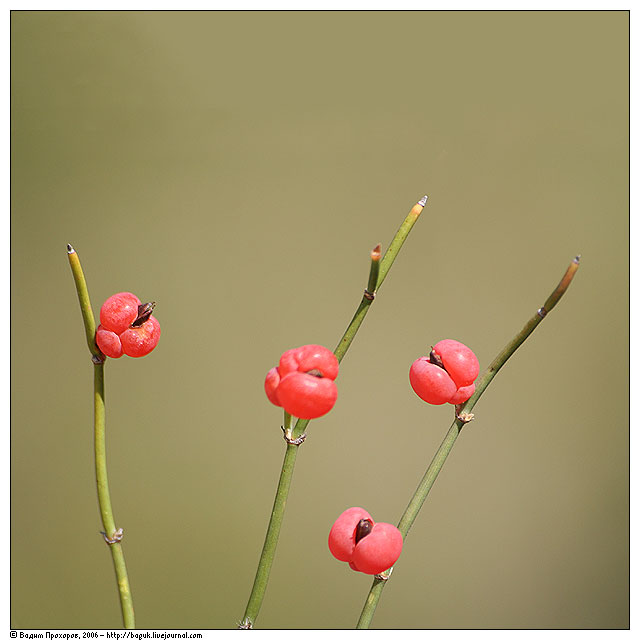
(271, 386)
(303, 382)
(368, 546)
(127, 327)
(307, 397)
(430, 382)
(379, 550)
(447, 375)
(313, 356)
(139, 341)
(342, 537)
(459, 361)
(119, 311)
(463, 394)
(108, 342)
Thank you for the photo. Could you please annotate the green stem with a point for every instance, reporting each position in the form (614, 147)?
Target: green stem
(104, 500)
(271, 539)
(421, 493)
(378, 272)
(85, 303)
(385, 264)
(526, 331)
(374, 273)
(398, 240)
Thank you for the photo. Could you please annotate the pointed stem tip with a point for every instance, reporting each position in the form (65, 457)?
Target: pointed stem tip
(70, 249)
(376, 252)
(423, 201)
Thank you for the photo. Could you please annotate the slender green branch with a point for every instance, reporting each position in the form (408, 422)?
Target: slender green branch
(374, 272)
(398, 240)
(271, 539)
(111, 535)
(421, 493)
(85, 302)
(106, 511)
(385, 264)
(524, 333)
(377, 274)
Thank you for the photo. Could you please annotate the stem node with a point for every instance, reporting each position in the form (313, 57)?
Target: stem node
(295, 441)
(116, 536)
(385, 575)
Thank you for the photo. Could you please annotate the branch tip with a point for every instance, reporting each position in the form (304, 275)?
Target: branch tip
(70, 249)
(376, 252)
(577, 258)
(423, 201)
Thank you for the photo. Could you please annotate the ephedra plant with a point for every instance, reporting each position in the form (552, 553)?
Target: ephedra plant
(304, 384)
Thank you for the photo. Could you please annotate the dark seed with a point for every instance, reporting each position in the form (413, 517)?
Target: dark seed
(363, 529)
(144, 313)
(434, 358)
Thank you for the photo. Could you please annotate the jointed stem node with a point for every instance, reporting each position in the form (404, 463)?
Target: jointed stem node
(385, 575)
(296, 441)
(117, 536)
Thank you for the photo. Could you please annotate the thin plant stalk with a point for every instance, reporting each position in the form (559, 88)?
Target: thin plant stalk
(369, 295)
(273, 531)
(112, 536)
(462, 417)
(104, 499)
(377, 274)
(88, 318)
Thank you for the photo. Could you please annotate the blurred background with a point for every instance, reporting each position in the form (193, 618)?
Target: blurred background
(237, 168)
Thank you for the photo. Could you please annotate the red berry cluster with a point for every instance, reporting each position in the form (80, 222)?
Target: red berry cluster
(447, 375)
(303, 382)
(127, 327)
(368, 546)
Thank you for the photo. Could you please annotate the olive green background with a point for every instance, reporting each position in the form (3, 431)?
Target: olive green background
(237, 168)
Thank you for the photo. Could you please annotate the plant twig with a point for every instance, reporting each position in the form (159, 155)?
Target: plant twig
(104, 499)
(377, 274)
(421, 493)
(111, 535)
(85, 302)
(385, 264)
(374, 272)
(363, 308)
